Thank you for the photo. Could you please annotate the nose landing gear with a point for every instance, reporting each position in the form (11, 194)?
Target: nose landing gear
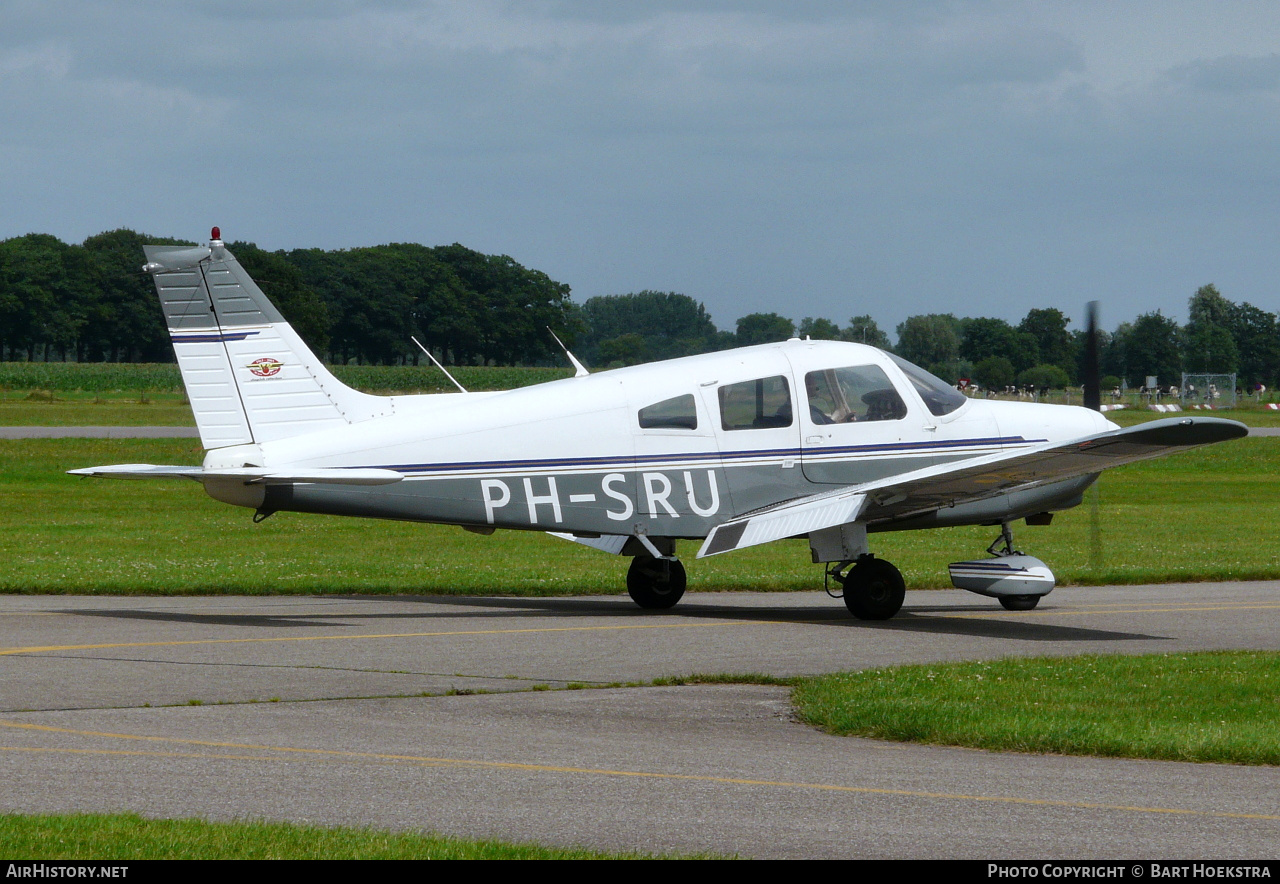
(1016, 580)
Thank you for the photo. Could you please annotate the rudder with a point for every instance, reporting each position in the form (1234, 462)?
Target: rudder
(249, 377)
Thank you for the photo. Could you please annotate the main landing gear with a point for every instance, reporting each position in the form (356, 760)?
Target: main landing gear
(655, 582)
(873, 588)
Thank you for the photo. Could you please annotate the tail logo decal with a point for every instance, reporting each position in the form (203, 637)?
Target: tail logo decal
(265, 367)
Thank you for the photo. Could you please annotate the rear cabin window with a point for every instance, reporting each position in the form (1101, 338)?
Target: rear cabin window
(677, 413)
(857, 393)
(756, 405)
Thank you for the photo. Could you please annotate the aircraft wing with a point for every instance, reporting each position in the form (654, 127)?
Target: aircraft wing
(249, 475)
(946, 485)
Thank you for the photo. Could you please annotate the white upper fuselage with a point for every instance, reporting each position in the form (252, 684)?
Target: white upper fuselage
(665, 449)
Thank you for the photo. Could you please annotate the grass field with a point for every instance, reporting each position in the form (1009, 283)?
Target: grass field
(59, 394)
(1202, 515)
(40, 408)
(131, 837)
(1208, 707)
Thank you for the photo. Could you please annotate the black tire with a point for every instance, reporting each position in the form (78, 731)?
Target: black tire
(1019, 602)
(874, 590)
(655, 583)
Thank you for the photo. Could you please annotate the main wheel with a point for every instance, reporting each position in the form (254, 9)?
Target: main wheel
(1019, 602)
(874, 590)
(655, 583)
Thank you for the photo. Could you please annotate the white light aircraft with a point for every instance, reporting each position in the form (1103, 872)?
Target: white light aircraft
(824, 440)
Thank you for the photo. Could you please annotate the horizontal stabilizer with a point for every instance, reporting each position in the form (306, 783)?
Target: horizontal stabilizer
(249, 475)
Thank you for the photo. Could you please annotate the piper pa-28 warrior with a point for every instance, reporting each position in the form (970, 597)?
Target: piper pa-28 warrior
(823, 440)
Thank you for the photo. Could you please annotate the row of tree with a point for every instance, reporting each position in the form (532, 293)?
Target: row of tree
(1221, 337)
(91, 303)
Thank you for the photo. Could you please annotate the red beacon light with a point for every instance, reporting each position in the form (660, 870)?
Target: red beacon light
(215, 234)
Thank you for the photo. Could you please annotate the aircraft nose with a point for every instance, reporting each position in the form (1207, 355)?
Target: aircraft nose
(1076, 422)
(1101, 423)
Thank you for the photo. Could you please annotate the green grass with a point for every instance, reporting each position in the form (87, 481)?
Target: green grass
(57, 394)
(117, 837)
(1202, 515)
(43, 408)
(1250, 416)
(152, 377)
(1207, 707)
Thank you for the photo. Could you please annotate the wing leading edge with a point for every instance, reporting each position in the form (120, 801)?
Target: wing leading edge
(934, 488)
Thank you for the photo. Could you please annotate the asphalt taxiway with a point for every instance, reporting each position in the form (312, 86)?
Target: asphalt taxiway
(494, 717)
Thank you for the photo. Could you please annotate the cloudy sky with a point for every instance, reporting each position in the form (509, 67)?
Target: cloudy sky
(810, 158)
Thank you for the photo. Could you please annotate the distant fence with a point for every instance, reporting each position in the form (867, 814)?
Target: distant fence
(1214, 390)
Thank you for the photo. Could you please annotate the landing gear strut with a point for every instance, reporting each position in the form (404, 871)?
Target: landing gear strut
(655, 583)
(1006, 538)
(1011, 602)
(873, 588)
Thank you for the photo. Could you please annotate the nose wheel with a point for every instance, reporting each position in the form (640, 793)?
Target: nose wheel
(655, 583)
(1016, 580)
(873, 588)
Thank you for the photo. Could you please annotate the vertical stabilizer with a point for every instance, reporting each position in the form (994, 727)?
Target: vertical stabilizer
(249, 377)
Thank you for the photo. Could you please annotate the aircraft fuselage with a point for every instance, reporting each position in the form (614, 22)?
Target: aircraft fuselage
(585, 455)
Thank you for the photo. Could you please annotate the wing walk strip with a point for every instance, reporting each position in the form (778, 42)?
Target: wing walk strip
(435, 761)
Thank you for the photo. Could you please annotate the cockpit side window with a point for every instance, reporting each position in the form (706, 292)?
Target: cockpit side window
(755, 405)
(855, 393)
(677, 413)
(940, 397)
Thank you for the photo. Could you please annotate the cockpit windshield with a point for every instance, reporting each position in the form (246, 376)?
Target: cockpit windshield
(939, 396)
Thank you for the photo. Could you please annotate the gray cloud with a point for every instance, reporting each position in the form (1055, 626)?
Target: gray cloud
(1233, 73)
(813, 158)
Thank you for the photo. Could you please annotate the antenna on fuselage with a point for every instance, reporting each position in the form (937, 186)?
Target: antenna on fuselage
(580, 370)
(438, 365)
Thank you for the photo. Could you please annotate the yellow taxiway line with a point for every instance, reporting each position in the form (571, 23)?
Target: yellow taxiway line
(436, 761)
(39, 649)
